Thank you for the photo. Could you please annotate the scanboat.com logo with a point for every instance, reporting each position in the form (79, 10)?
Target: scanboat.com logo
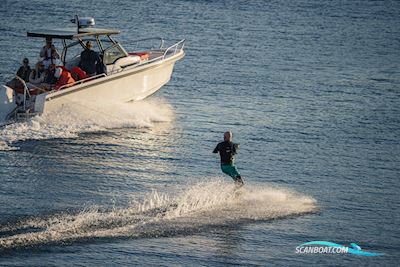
(325, 247)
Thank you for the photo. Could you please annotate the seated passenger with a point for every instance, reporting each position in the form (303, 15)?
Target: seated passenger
(49, 79)
(37, 75)
(49, 53)
(89, 60)
(64, 77)
(78, 74)
(23, 72)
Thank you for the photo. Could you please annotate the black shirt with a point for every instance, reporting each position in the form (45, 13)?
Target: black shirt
(24, 73)
(226, 151)
(89, 60)
(50, 78)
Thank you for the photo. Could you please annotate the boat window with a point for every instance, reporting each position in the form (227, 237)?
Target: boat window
(113, 53)
(73, 51)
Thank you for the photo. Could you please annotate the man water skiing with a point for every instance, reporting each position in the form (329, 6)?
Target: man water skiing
(227, 150)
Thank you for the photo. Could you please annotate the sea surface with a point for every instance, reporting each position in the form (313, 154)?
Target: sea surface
(310, 90)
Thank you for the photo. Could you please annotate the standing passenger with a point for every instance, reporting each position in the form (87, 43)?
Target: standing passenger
(89, 59)
(49, 53)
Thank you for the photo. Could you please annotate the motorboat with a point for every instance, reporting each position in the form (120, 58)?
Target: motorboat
(126, 76)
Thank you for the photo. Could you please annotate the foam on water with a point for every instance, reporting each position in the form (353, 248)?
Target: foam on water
(191, 209)
(74, 119)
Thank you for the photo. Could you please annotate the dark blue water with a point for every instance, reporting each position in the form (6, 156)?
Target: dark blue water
(311, 91)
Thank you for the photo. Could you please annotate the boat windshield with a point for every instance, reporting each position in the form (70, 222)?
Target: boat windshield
(112, 50)
(73, 51)
(109, 50)
(112, 53)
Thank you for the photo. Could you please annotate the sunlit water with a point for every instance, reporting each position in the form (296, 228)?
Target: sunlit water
(311, 92)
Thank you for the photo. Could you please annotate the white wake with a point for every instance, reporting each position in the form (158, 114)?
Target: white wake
(72, 120)
(197, 207)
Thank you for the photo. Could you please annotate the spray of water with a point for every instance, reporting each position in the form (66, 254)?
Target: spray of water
(194, 208)
(74, 119)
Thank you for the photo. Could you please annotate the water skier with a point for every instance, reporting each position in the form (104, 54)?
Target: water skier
(227, 150)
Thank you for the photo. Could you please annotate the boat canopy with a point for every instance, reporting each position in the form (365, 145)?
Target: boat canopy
(70, 33)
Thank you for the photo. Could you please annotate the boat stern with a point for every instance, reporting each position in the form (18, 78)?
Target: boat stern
(7, 102)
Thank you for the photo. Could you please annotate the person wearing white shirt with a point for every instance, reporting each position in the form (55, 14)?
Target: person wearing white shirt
(49, 54)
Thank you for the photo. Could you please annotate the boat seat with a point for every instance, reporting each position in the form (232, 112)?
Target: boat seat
(143, 55)
(122, 63)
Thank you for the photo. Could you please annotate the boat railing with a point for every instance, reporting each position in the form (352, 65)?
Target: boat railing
(166, 53)
(79, 82)
(26, 90)
(14, 112)
(176, 48)
(138, 41)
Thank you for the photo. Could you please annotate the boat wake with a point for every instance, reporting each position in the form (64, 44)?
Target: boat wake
(74, 119)
(192, 209)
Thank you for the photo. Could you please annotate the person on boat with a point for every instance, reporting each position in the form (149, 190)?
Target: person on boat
(37, 75)
(49, 53)
(23, 72)
(89, 60)
(63, 77)
(227, 150)
(49, 79)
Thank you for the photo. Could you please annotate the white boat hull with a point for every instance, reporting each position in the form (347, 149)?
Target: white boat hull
(7, 102)
(128, 85)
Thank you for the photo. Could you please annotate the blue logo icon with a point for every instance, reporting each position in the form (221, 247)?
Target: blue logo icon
(330, 247)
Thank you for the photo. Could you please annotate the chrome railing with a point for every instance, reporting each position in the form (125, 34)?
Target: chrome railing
(26, 90)
(14, 112)
(78, 82)
(176, 47)
(166, 53)
(138, 41)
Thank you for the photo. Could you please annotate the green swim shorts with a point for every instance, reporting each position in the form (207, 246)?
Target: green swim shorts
(231, 170)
